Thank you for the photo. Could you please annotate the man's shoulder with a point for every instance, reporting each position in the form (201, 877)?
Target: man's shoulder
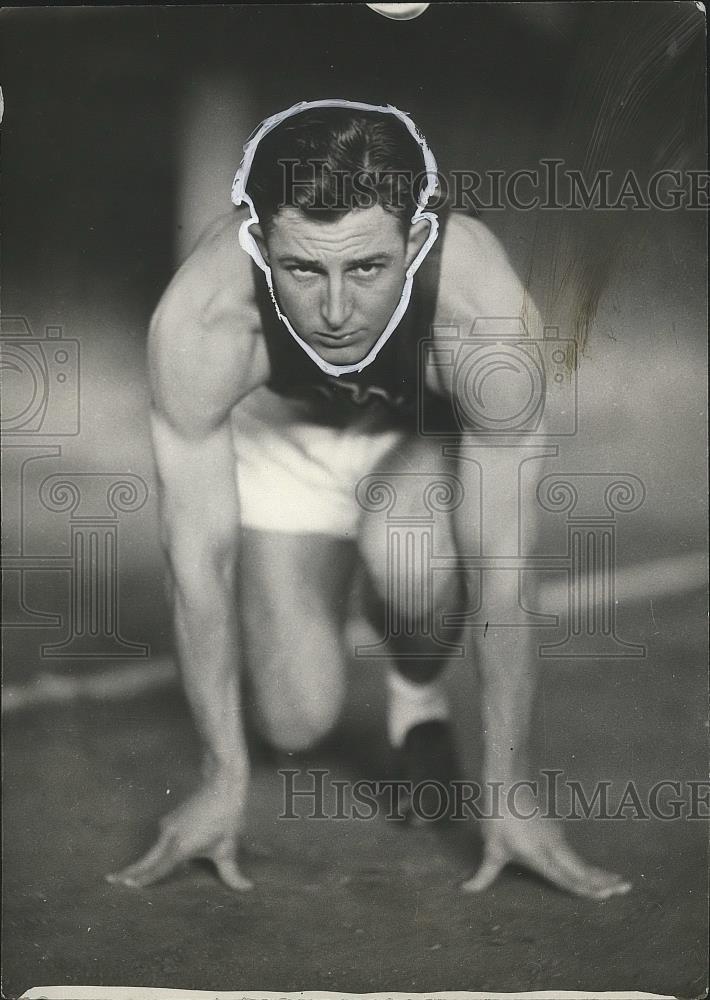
(471, 249)
(463, 230)
(215, 278)
(477, 277)
(205, 338)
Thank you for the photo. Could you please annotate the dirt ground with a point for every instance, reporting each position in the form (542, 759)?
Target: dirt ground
(355, 905)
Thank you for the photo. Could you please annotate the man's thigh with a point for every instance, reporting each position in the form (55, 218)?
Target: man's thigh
(407, 504)
(294, 595)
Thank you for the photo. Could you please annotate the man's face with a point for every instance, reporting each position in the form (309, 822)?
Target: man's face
(338, 282)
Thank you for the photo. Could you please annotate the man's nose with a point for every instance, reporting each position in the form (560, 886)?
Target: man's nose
(335, 306)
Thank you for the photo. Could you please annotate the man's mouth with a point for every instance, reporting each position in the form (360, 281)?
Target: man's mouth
(337, 340)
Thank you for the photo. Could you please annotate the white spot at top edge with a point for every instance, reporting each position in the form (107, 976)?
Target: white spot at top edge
(399, 11)
(698, 4)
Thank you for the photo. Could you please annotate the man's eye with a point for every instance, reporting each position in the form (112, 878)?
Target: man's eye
(366, 270)
(301, 271)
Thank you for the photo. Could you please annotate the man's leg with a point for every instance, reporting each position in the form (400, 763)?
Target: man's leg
(411, 599)
(295, 590)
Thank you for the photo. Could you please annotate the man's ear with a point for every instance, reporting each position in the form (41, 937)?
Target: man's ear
(418, 234)
(258, 233)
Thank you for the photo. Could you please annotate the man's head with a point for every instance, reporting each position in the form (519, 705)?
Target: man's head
(335, 190)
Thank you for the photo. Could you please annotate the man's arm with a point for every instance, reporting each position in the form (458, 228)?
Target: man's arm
(479, 283)
(202, 362)
(508, 663)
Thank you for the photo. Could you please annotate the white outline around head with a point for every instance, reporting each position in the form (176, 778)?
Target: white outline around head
(249, 244)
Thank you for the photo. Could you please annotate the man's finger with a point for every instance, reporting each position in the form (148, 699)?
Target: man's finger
(223, 856)
(156, 864)
(228, 871)
(561, 867)
(601, 877)
(492, 865)
(595, 880)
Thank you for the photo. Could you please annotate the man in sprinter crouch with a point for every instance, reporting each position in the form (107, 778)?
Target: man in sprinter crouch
(263, 426)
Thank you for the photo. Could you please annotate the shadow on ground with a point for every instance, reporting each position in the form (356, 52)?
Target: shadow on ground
(348, 905)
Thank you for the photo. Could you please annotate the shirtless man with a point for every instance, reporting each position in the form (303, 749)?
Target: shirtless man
(261, 560)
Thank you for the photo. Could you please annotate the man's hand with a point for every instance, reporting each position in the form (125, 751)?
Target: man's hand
(207, 825)
(539, 845)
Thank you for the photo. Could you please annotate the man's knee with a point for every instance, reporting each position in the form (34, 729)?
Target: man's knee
(401, 565)
(406, 520)
(300, 688)
(300, 723)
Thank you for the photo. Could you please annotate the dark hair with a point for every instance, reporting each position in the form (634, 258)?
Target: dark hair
(331, 160)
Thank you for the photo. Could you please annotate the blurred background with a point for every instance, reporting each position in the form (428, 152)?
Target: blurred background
(122, 131)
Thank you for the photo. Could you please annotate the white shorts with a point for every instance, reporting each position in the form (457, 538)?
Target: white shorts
(298, 476)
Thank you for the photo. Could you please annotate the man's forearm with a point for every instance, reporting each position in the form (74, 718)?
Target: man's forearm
(207, 646)
(507, 669)
(506, 518)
